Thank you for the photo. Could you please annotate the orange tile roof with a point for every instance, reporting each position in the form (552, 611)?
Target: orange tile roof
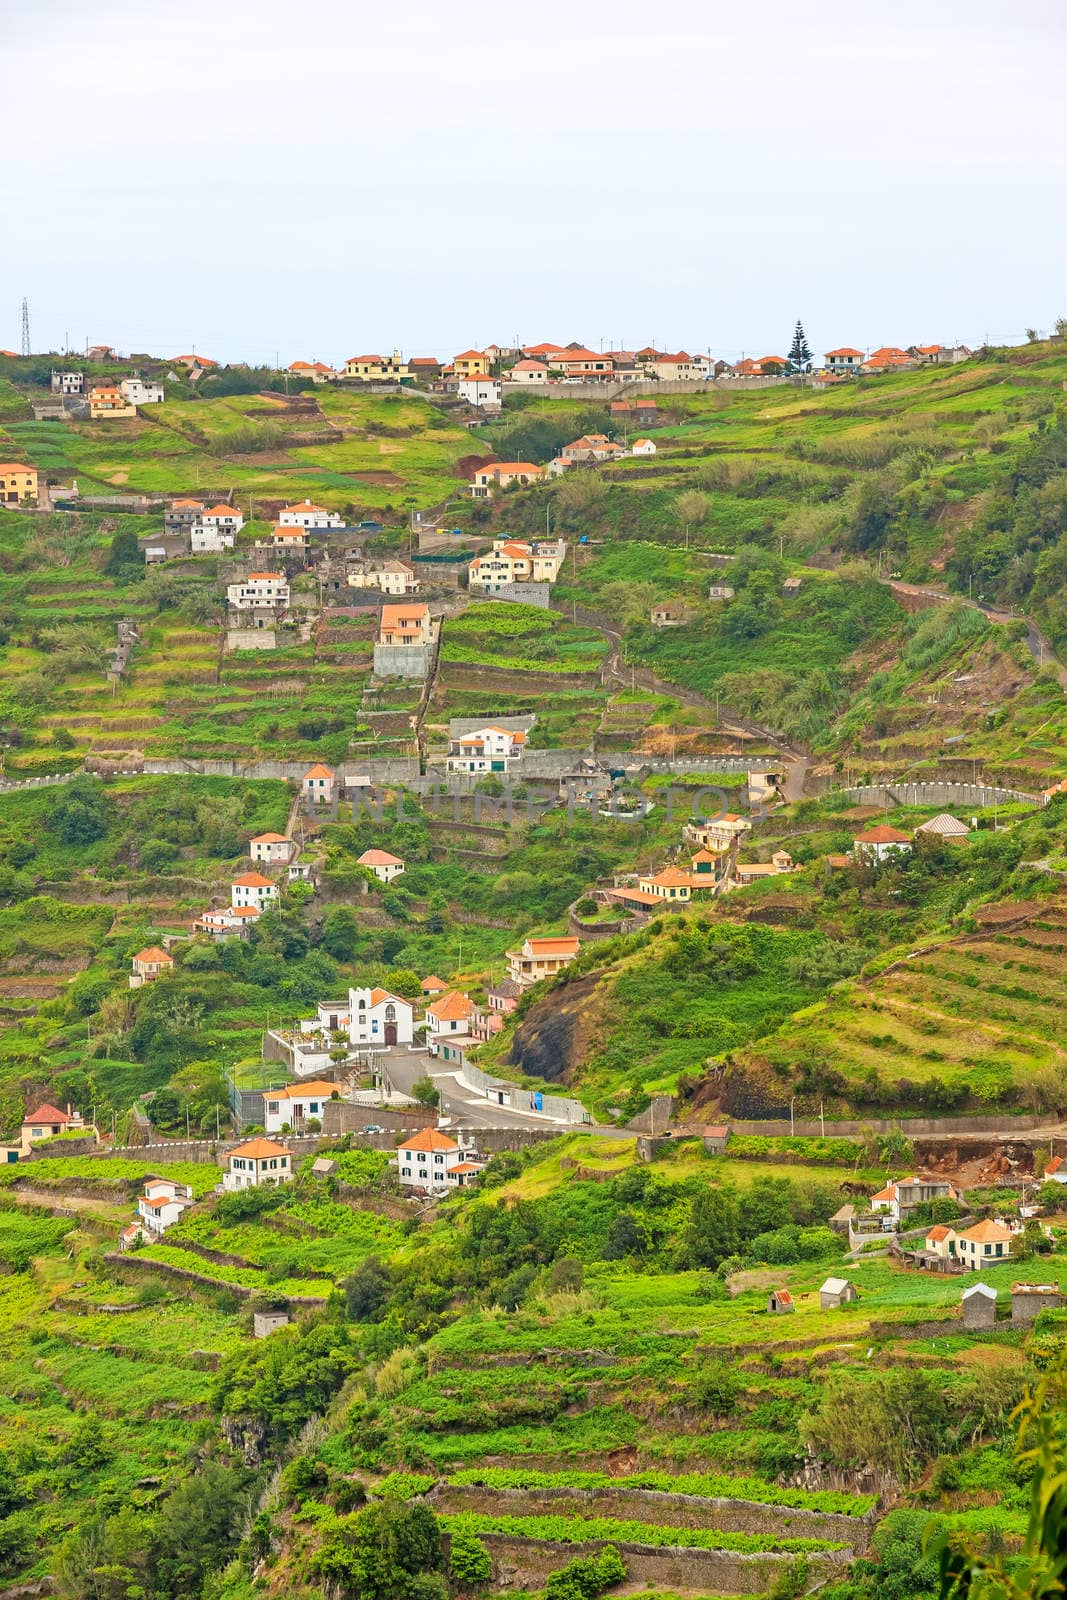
(883, 834)
(670, 877)
(275, 577)
(553, 946)
(253, 880)
(511, 466)
(941, 1231)
(468, 1166)
(987, 1232)
(403, 618)
(433, 984)
(378, 995)
(16, 466)
(454, 1007)
(378, 858)
(470, 355)
(303, 505)
(236, 911)
(257, 1149)
(153, 952)
(318, 1089)
(187, 505)
(269, 838)
(845, 350)
(318, 771)
(429, 1139)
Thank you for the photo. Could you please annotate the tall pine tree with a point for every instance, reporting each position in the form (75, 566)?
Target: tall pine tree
(800, 351)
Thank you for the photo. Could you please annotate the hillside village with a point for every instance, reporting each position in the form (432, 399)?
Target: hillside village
(495, 1055)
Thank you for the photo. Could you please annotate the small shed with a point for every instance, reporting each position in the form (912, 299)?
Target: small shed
(842, 1217)
(265, 1323)
(322, 1166)
(979, 1306)
(836, 1292)
(716, 1137)
(780, 1303)
(1028, 1300)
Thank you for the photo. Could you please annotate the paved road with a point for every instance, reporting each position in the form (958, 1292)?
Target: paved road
(405, 1068)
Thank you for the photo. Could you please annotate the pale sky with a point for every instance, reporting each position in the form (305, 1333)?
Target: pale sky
(246, 177)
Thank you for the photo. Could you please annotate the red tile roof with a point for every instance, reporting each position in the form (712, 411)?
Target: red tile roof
(47, 1113)
(153, 952)
(883, 834)
(257, 1149)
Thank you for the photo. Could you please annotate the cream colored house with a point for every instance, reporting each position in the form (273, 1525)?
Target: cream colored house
(258, 1162)
(540, 958)
(501, 475)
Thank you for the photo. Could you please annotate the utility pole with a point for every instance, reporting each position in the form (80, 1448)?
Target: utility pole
(26, 350)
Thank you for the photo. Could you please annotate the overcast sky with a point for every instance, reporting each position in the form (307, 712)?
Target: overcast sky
(246, 177)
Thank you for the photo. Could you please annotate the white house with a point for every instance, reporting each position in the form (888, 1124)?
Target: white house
(431, 1160)
(258, 1162)
(331, 1016)
(271, 848)
(489, 749)
(68, 382)
(253, 889)
(384, 866)
(881, 843)
(643, 447)
(379, 1019)
(293, 1106)
(479, 391)
(391, 576)
(308, 515)
(227, 518)
(258, 589)
(449, 1013)
(139, 393)
(317, 784)
(162, 1203)
(227, 923)
(206, 538)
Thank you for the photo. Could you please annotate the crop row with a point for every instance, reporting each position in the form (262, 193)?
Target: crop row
(576, 1530)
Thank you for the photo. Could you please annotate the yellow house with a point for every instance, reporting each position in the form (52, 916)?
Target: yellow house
(18, 482)
(471, 364)
(107, 400)
(670, 883)
(378, 369)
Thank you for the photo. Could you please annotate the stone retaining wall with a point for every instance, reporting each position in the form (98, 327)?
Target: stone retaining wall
(661, 1507)
(526, 1563)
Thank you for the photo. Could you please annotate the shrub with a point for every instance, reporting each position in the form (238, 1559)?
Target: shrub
(468, 1562)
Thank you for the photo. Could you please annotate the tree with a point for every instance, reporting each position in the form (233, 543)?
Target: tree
(714, 1228)
(1032, 335)
(800, 350)
(340, 933)
(425, 1093)
(83, 812)
(384, 1553)
(367, 1290)
(124, 556)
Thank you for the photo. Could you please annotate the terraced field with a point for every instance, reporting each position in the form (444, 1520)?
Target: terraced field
(365, 452)
(588, 1418)
(974, 1020)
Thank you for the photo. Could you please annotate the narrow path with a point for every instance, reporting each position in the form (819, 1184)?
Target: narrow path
(1036, 642)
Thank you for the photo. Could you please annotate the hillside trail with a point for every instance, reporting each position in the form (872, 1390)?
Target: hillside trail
(628, 677)
(1036, 642)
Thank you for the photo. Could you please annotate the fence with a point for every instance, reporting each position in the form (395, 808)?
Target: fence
(937, 792)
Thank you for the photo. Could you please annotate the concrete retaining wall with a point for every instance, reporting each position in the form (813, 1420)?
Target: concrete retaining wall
(650, 386)
(402, 661)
